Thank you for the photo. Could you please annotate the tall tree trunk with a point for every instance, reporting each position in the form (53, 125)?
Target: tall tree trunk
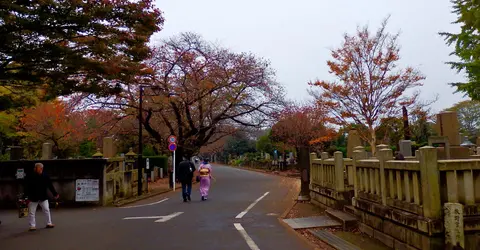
(304, 163)
(373, 141)
(406, 127)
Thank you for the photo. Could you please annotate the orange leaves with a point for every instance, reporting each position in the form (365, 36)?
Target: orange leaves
(369, 87)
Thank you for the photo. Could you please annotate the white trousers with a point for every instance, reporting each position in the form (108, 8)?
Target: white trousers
(32, 209)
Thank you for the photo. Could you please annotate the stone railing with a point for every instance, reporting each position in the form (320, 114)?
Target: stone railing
(421, 202)
(332, 179)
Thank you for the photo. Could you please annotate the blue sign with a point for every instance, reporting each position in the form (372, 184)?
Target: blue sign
(172, 147)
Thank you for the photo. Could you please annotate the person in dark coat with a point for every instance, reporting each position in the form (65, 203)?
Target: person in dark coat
(37, 186)
(185, 174)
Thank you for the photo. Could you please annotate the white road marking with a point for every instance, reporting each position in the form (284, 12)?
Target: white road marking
(157, 218)
(149, 204)
(240, 215)
(245, 236)
(169, 217)
(142, 218)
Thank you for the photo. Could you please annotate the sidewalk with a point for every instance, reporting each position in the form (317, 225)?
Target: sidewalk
(291, 173)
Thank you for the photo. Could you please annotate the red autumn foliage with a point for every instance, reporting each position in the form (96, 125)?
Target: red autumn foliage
(54, 122)
(302, 126)
(369, 84)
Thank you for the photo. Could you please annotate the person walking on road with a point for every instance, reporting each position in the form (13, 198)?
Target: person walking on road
(205, 171)
(37, 186)
(185, 175)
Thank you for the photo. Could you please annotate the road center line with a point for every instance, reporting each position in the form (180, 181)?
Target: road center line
(245, 236)
(149, 204)
(240, 215)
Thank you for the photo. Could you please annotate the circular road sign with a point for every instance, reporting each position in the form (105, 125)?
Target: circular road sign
(172, 147)
(172, 139)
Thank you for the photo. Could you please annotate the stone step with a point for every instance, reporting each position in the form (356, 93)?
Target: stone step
(348, 221)
(333, 240)
(349, 210)
(312, 222)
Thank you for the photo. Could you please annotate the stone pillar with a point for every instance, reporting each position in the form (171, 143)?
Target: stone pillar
(384, 156)
(430, 178)
(352, 142)
(405, 148)
(358, 154)
(339, 176)
(454, 234)
(47, 151)
(108, 147)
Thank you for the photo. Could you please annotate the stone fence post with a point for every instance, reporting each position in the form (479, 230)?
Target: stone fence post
(384, 156)
(358, 154)
(339, 168)
(430, 177)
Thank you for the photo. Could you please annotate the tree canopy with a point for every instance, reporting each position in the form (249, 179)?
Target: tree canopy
(68, 46)
(467, 45)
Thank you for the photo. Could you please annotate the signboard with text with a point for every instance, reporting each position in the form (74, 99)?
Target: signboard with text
(87, 190)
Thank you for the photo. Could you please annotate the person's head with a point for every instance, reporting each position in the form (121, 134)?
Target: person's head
(205, 160)
(38, 168)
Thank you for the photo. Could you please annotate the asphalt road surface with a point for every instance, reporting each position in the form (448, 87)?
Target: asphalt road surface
(241, 213)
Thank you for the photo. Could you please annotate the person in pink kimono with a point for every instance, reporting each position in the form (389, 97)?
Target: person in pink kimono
(205, 173)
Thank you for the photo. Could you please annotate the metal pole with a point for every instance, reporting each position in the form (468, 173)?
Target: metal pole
(173, 170)
(140, 145)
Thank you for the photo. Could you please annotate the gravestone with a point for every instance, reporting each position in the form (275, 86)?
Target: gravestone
(109, 149)
(405, 148)
(47, 151)
(352, 142)
(448, 127)
(267, 156)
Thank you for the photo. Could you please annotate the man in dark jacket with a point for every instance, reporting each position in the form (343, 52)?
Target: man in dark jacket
(37, 185)
(185, 175)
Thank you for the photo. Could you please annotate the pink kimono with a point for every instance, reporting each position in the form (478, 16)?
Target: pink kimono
(205, 171)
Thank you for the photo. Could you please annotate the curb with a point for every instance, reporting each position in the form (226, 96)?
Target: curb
(293, 231)
(149, 195)
(261, 171)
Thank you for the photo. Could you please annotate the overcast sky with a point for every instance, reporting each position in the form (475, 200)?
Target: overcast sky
(296, 36)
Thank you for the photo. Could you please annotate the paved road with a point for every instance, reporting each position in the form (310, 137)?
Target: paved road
(201, 225)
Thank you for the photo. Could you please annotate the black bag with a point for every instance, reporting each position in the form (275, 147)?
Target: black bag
(197, 178)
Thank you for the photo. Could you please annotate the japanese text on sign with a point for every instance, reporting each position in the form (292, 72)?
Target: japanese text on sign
(87, 190)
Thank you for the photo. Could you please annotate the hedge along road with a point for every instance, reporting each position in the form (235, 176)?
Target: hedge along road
(241, 213)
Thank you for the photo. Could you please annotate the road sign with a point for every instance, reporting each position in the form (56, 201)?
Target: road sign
(148, 163)
(172, 147)
(172, 139)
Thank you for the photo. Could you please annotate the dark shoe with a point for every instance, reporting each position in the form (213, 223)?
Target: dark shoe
(50, 226)
(189, 198)
(184, 200)
(31, 229)
(203, 198)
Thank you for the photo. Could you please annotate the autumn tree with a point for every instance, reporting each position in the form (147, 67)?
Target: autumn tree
(469, 116)
(69, 46)
(467, 46)
(54, 122)
(369, 84)
(201, 90)
(302, 126)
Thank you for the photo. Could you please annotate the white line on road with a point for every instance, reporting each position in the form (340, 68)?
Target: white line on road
(169, 217)
(240, 215)
(142, 218)
(149, 204)
(245, 236)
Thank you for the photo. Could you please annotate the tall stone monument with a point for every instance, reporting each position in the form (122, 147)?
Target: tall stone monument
(47, 151)
(352, 142)
(448, 128)
(109, 149)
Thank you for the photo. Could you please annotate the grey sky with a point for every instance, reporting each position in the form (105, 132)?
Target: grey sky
(296, 35)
